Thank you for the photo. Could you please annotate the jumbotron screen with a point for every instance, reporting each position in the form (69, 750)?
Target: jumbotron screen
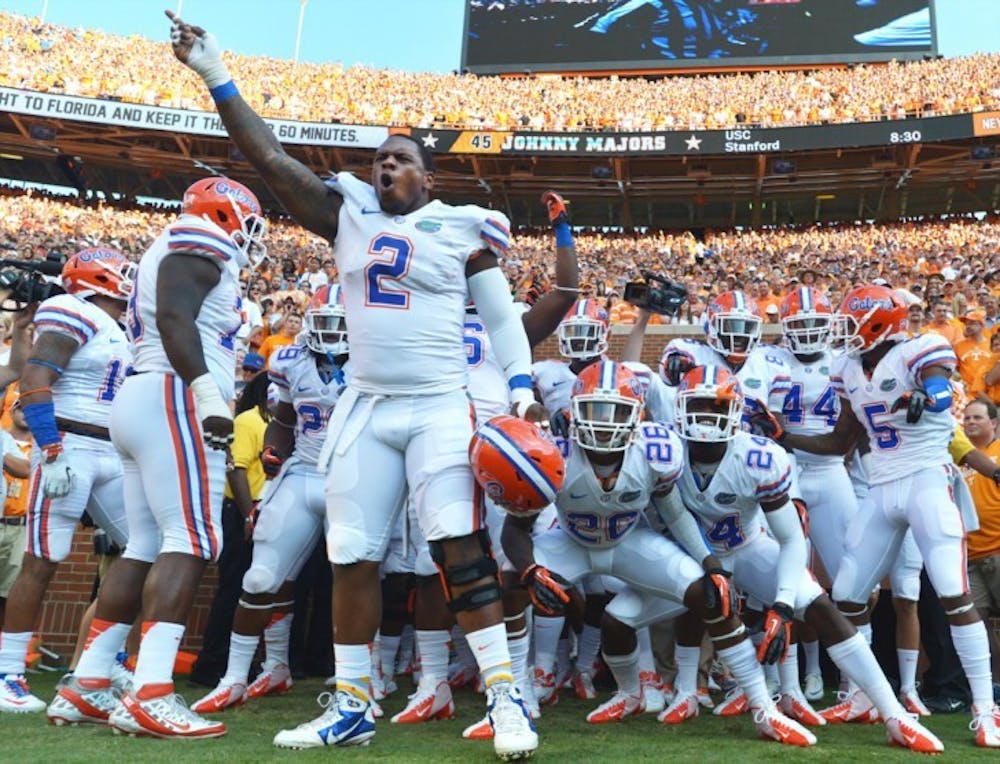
(504, 36)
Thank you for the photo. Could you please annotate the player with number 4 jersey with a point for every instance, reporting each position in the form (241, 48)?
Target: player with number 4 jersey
(79, 359)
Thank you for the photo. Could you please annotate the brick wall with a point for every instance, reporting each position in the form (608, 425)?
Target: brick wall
(69, 593)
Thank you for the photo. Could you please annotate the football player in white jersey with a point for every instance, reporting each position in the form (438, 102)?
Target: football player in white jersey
(489, 392)
(182, 316)
(76, 365)
(737, 485)
(408, 266)
(308, 377)
(616, 467)
(897, 394)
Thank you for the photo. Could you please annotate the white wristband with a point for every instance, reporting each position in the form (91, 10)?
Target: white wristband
(208, 399)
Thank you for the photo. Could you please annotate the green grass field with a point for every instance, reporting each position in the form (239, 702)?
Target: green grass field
(566, 737)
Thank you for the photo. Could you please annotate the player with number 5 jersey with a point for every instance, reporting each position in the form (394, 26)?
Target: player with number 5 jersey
(896, 392)
(78, 360)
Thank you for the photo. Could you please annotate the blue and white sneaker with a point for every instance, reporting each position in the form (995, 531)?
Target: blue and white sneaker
(16, 697)
(514, 735)
(346, 720)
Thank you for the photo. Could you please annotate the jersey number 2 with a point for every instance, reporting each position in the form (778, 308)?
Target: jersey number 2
(393, 263)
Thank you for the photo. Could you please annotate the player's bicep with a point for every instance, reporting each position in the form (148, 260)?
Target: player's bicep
(935, 371)
(50, 354)
(480, 261)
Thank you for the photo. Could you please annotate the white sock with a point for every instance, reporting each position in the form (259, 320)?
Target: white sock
(517, 644)
(854, 658)
(489, 645)
(242, 648)
(788, 670)
(104, 641)
(907, 669)
(277, 635)
(462, 652)
(13, 651)
(157, 653)
(865, 630)
(973, 648)
(647, 665)
(625, 669)
(433, 647)
(388, 647)
(547, 631)
(587, 647)
(770, 670)
(563, 662)
(353, 665)
(741, 659)
(687, 659)
(811, 651)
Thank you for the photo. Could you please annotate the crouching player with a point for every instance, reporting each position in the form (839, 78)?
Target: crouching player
(737, 485)
(616, 466)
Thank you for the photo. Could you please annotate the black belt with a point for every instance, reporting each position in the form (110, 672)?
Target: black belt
(13, 520)
(81, 428)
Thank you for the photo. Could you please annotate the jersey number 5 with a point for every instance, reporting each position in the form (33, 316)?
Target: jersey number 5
(393, 263)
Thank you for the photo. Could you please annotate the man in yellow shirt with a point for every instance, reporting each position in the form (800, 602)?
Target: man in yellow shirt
(291, 325)
(984, 544)
(942, 324)
(973, 352)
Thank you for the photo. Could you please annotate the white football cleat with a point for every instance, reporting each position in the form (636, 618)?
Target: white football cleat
(121, 674)
(855, 707)
(795, 706)
(620, 706)
(346, 720)
(275, 680)
(812, 687)
(771, 723)
(907, 732)
(163, 716)
(514, 735)
(683, 708)
(546, 691)
(911, 701)
(734, 704)
(222, 697)
(583, 686)
(653, 699)
(431, 702)
(83, 701)
(16, 697)
(985, 725)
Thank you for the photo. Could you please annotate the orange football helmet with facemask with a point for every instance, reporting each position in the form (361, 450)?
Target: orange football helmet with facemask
(868, 316)
(324, 321)
(583, 333)
(806, 316)
(235, 209)
(606, 407)
(709, 405)
(733, 325)
(99, 270)
(516, 464)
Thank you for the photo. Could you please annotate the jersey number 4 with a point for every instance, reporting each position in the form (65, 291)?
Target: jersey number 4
(393, 263)
(825, 406)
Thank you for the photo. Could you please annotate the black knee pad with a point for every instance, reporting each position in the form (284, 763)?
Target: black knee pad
(466, 573)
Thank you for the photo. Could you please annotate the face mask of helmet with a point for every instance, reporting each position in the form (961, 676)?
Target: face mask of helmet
(806, 334)
(735, 335)
(582, 337)
(703, 418)
(604, 423)
(326, 330)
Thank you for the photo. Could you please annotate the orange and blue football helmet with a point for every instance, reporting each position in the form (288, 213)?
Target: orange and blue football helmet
(709, 405)
(868, 316)
(606, 407)
(583, 333)
(733, 325)
(235, 209)
(806, 316)
(99, 270)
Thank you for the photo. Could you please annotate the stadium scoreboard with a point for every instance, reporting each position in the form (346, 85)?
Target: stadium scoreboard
(518, 36)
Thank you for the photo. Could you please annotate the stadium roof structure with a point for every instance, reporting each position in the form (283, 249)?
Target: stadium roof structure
(746, 177)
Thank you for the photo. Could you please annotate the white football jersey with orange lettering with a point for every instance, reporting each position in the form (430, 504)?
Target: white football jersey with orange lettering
(84, 391)
(221, 314)
(727, 503)
(600, 513)
(898, 449)
(297, 381)
(405, 288)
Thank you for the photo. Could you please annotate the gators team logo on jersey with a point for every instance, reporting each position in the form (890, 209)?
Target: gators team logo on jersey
(429, 226)
(887, 385)
(630, 496)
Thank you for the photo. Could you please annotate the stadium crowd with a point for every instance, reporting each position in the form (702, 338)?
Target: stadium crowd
(85, 62)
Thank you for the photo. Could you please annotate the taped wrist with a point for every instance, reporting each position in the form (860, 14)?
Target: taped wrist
(208, 399)
(41, 420)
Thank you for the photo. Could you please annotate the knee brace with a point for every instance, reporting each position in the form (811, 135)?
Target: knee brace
(466, 573)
